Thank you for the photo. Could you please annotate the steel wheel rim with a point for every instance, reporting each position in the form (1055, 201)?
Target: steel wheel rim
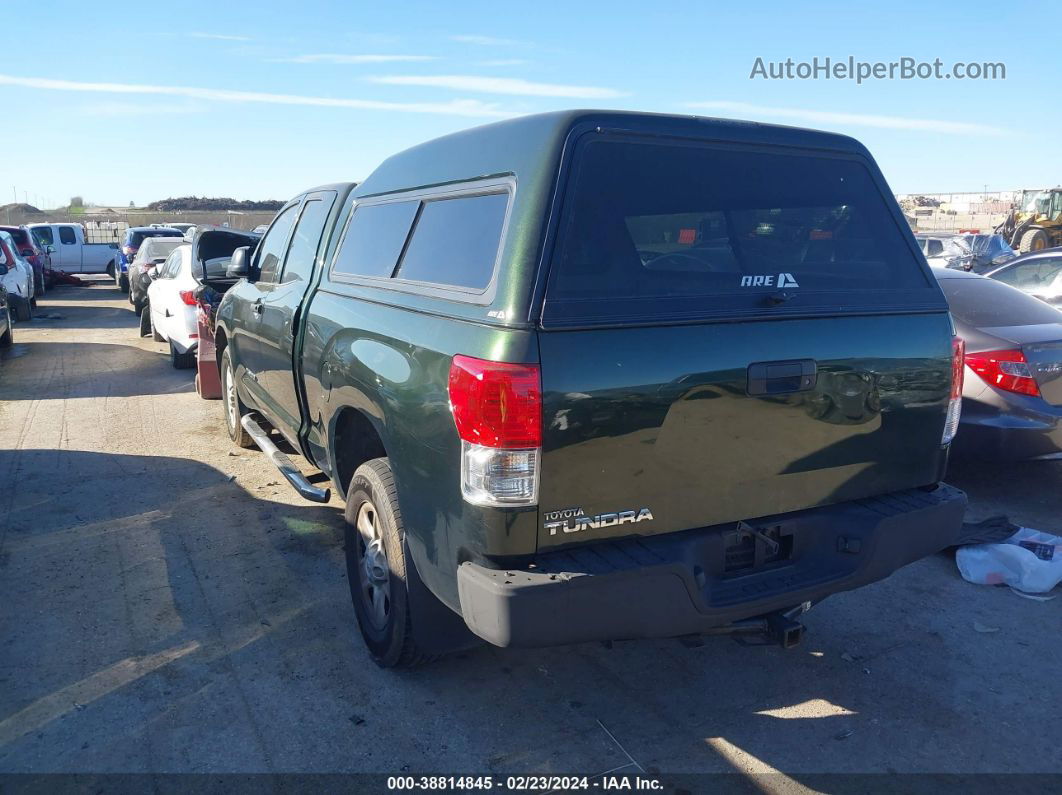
(374, 572)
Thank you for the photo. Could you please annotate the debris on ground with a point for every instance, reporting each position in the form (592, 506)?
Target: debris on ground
(992, 530)
(984, 628)
(1029, 561)
(62, 277)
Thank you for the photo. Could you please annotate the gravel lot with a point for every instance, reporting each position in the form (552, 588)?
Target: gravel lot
(167, 605)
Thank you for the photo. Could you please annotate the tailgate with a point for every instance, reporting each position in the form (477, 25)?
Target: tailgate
(660, 422)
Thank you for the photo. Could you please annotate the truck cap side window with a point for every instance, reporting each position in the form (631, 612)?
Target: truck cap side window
(374, 238)
(680, 230)
(455, 241)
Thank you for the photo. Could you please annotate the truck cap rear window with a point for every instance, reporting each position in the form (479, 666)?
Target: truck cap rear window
(677, 230)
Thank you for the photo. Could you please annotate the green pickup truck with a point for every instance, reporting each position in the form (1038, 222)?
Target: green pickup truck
(596, 376)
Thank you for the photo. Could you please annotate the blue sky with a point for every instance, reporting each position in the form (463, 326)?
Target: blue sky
(123, 102)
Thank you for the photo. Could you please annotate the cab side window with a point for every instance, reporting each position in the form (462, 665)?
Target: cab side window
(44, 235)
(271, 249)
(302, 252)
(66, 235)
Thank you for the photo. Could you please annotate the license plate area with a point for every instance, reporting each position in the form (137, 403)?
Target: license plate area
(748, 549)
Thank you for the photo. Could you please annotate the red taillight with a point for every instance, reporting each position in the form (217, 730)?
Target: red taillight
(958, 349)
(496, 404)
(1005, 370)
(188, 296)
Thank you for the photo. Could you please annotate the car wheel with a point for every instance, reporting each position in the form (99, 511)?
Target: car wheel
(110, 269)
(145, 322)
(234, 408)
(123, 283)
(7, 339)
(23, 309)
(129, 296)
(151, 322)
(376, 567)
(41, 287)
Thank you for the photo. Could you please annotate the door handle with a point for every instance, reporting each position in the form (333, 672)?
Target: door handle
(257, 307)
(780, 378)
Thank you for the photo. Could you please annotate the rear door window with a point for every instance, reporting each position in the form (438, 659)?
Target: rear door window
(302, 252)
(455, 241)
(271, 249)
(66, 235)
(666, 231)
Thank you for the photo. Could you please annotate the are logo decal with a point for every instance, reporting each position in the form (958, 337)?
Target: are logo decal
(769, 280)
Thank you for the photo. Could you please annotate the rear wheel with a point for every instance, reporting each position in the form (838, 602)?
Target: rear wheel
(1033, 240)
(6, 339)
(145, 322)
(23, 309)
(123, 283)
(110, 269)
(376, 567)
(234, 408)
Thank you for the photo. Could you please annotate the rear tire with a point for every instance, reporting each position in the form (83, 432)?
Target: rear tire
(181, 361)
(23, 309)
(8, 338)
(376, 567)
(123, 283)
(234, 408)
(145, 322)
(110, 269)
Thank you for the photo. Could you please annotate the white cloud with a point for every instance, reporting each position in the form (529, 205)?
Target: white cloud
(456, 107)
(219, 36)
(338, 58)
(149, 109)
(498, 85)
(487, 41)
(855, 119)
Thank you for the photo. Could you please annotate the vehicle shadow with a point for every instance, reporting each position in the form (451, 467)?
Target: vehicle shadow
(71, 307)
(62, 370)
(173, 620)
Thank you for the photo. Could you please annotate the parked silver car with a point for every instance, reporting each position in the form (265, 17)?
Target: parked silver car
(1039, 274)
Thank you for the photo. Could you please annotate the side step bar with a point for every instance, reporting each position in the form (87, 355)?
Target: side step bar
(290, 472)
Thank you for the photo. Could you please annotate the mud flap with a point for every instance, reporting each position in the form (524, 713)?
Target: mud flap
(436, 628)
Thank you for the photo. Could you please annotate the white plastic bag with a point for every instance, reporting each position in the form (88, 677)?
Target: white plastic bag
(1028, 561)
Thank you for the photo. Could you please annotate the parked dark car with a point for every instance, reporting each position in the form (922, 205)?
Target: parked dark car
(212, 248)
(152, 252)
(6, 324)
(34, 254)
(134, 236)
(1039, 274)
(1012, 395)
(653, 376)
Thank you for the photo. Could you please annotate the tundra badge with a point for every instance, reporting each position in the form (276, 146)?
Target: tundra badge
(572, 520)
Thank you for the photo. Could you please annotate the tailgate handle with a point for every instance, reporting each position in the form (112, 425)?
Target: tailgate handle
(780, 378)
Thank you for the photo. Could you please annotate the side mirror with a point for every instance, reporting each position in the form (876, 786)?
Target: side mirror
(153, 273)
(49, 249)
(240, 264)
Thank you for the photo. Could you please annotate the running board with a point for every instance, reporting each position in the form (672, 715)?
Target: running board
(290, 472)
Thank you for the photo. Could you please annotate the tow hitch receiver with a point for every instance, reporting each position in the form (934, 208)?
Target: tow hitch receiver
(781, 628)
(290, 472)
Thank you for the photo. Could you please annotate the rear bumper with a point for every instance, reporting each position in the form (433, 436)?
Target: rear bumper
(665, 586)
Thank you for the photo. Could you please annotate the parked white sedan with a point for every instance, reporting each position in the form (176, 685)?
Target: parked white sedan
(171, 307)
(17, 279)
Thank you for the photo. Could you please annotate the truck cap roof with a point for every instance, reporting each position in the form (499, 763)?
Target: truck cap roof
(527, 144)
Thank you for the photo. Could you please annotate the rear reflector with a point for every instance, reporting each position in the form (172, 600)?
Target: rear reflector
(1006, 370)
(951, 423)
(188, 297)
(497, 408)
